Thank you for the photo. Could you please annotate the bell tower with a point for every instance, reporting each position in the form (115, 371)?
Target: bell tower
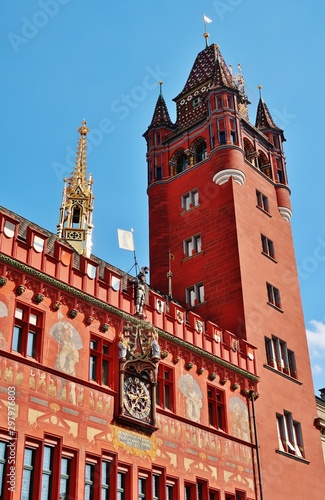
(75, 222)
(219, 204)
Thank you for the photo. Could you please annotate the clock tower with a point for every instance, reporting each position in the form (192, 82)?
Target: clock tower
(221, 246)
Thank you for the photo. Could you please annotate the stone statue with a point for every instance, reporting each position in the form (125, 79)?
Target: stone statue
(140, 290)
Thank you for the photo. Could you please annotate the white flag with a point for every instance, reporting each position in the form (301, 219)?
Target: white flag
(125, 240)
(207, 19)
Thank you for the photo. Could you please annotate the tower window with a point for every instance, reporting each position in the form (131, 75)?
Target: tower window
(27, 331)
(222, 137)
(201, 152)
(219, 102)
(192, 246)
(195, 295)
(279, 357)
(289, 435)
(267, 246)
(273, 296)
(230, 101)
(158, 173)
(76, 217)
(233, 131)
(262, 201)
(181, 163)
(190, 199)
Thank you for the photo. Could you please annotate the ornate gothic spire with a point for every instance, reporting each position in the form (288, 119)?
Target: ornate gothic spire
(75, 222)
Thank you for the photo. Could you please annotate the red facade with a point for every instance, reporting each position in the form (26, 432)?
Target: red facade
(201, 391)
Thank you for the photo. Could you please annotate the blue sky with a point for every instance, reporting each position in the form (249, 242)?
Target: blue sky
(66, 60)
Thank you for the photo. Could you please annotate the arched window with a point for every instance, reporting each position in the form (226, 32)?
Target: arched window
(249, 150)
(76, 216)
(264, 164)
(201, 152)
(181, 163)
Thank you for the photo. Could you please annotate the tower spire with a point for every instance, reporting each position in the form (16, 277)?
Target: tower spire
(75, 221)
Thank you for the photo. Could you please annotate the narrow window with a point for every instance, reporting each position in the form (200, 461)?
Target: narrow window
(47, 472)
(267, 246)
(121, 485)
(230, 101)
(89, 481)
(158, 173)
(195, 294)
(65, 478)
(233, 131)
(262, 201)
(28, 474)
(211, 136)
(216, 408)
(181, 163)
(221, 131)
(219, 102)
(100, 354)
(192, 246)
(273, 295)
(165, 389)
(106, 470)
(201, 152)
(3, 467)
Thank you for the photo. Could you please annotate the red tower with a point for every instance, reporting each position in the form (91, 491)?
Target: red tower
(219, 212)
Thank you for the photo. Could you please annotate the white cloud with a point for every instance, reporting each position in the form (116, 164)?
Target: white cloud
(316, 338)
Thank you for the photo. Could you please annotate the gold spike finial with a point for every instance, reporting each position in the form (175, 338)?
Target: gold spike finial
(260, 90)
(83, 130)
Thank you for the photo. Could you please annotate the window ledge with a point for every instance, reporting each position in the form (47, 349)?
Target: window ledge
(294, 457)
(274, 370)
(191, 256)
(269, 257)
(275, 307)
(264, 211)
(189, 209)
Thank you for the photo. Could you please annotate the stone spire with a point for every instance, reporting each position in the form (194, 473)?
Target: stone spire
(75, 222)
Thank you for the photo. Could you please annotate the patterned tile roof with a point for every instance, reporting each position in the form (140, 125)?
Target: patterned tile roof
(264, 119)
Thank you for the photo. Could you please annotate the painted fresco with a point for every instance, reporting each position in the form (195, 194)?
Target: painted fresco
(193, 397)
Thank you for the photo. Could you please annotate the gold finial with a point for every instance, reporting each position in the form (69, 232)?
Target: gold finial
(260, 90)
(160, 84)
(83, 130)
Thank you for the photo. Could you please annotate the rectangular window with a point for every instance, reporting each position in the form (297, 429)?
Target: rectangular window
(27, 332)
(273, 295)
(267, 246)
(47, 472)
(219, 102)
(192, 245)
(195, 294)
(278, 356)
(100, 360)
(122, 484)
(189, 491)
(216, 408)
(89, 481)
(262, 201)
(157, 139)
(28, 474)
(289, 435)
(190, 199)
(214, 495)
(233, 131)
(165, 388)
(211, 136)
(144, 486)
(222, 137)
(158, 172)
(106, 473)
(171, 489)
(4, 469)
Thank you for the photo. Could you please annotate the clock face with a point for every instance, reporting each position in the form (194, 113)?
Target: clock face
(137, 398)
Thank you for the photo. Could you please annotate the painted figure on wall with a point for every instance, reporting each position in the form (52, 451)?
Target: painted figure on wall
(69, 344)
(193, 397)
